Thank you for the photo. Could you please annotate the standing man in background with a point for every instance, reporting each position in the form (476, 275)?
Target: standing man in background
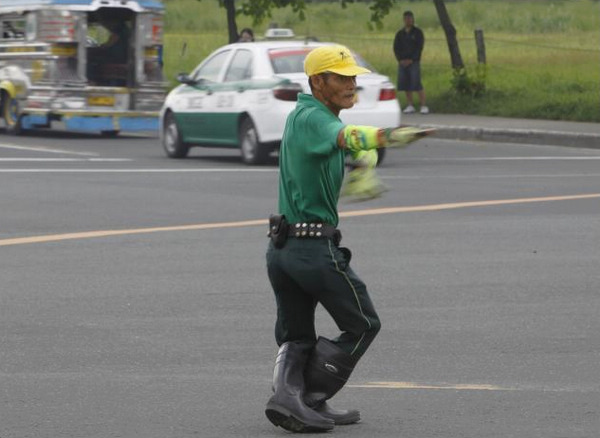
(408, 45)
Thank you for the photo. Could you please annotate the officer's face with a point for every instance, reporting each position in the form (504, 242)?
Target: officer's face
(409, 21)
(337, 92)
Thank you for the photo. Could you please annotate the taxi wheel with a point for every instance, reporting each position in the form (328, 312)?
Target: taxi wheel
(10, 113)
(253, 152)
(172, 143)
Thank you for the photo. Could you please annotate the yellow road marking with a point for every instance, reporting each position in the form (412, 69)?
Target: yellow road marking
(262, 222)
(413, 385)
(455, 205)
(108, 233)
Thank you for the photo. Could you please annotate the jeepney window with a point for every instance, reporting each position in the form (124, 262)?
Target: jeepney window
(211, 68)
(110, 54)
(104, 28)
(240, 67)
(13, 28)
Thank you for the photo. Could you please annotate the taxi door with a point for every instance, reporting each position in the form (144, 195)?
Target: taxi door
(197, 100)
(214, 102)
(231, 97)
(227, 100)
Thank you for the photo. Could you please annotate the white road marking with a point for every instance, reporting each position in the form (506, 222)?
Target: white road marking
(190, 170)
(46, 149)
(549, 158)
(542, 175)
(116, 160)
(256, 170)
(65, 160)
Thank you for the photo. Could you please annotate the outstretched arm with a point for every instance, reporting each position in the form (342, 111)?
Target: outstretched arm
(364, 138)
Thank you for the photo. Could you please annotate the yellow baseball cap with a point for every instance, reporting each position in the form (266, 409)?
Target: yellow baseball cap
(334, 59)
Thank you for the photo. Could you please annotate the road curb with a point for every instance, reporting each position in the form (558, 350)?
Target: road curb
(526, 136)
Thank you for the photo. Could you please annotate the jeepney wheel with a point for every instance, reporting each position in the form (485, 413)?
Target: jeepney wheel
(171, 141)
(10, 113)
(110, 134)
(253, 151)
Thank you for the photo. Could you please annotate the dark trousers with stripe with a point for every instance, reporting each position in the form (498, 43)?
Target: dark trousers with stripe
(306, 272)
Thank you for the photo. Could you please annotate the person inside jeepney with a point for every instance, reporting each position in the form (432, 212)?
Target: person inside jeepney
(108, 61)
(115, 49)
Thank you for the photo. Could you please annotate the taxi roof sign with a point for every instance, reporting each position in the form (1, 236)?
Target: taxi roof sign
(275, 33)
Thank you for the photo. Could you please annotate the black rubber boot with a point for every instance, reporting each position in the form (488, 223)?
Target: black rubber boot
(327, 371)
(286, 407)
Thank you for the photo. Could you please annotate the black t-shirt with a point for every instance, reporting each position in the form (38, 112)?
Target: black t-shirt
(409, 45)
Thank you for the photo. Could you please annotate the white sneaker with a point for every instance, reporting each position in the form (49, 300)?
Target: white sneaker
(409, 109)
(424, 110)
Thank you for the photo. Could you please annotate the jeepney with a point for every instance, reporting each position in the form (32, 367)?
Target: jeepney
(92, 65)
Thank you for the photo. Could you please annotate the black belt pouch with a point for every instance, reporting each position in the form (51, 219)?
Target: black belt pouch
(278, 230)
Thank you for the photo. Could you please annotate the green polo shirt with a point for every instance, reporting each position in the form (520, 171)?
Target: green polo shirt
(311, 165)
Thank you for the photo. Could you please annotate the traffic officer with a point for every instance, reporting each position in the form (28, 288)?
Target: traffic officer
(305, 263)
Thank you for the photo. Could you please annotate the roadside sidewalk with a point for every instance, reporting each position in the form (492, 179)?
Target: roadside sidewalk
(543, 132)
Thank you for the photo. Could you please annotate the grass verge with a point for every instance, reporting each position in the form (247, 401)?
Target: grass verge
(543, 56)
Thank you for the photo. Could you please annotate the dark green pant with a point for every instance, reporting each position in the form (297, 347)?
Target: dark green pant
(309, 271)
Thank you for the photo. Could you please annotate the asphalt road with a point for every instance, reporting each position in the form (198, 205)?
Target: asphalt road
(490, 310)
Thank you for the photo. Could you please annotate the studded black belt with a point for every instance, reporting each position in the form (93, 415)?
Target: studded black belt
(312, 230)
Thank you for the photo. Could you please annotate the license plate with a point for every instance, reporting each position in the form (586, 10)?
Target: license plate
(101, 101)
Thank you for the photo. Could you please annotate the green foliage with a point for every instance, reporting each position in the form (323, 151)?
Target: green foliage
(470, 84)
(261, 9)
(531, 72)
(379, 9)
(194, 17)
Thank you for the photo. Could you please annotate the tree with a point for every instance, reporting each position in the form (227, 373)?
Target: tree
(450, 31)
(231, 23)
(261, 9)
(462, 82)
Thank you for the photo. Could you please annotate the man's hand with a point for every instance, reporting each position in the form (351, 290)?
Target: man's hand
(357, 138)
(362, 182)
(402, 137)
(406, 62)
(366, 159)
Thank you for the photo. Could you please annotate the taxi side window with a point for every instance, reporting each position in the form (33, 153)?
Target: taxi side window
(211, 68)
(240, 67)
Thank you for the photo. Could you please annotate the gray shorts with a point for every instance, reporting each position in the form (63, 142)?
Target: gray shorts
(409, 78)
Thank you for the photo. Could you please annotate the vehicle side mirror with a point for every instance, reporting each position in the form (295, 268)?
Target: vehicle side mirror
(184, 78)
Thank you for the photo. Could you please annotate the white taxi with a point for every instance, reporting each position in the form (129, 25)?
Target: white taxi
(240, 96)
